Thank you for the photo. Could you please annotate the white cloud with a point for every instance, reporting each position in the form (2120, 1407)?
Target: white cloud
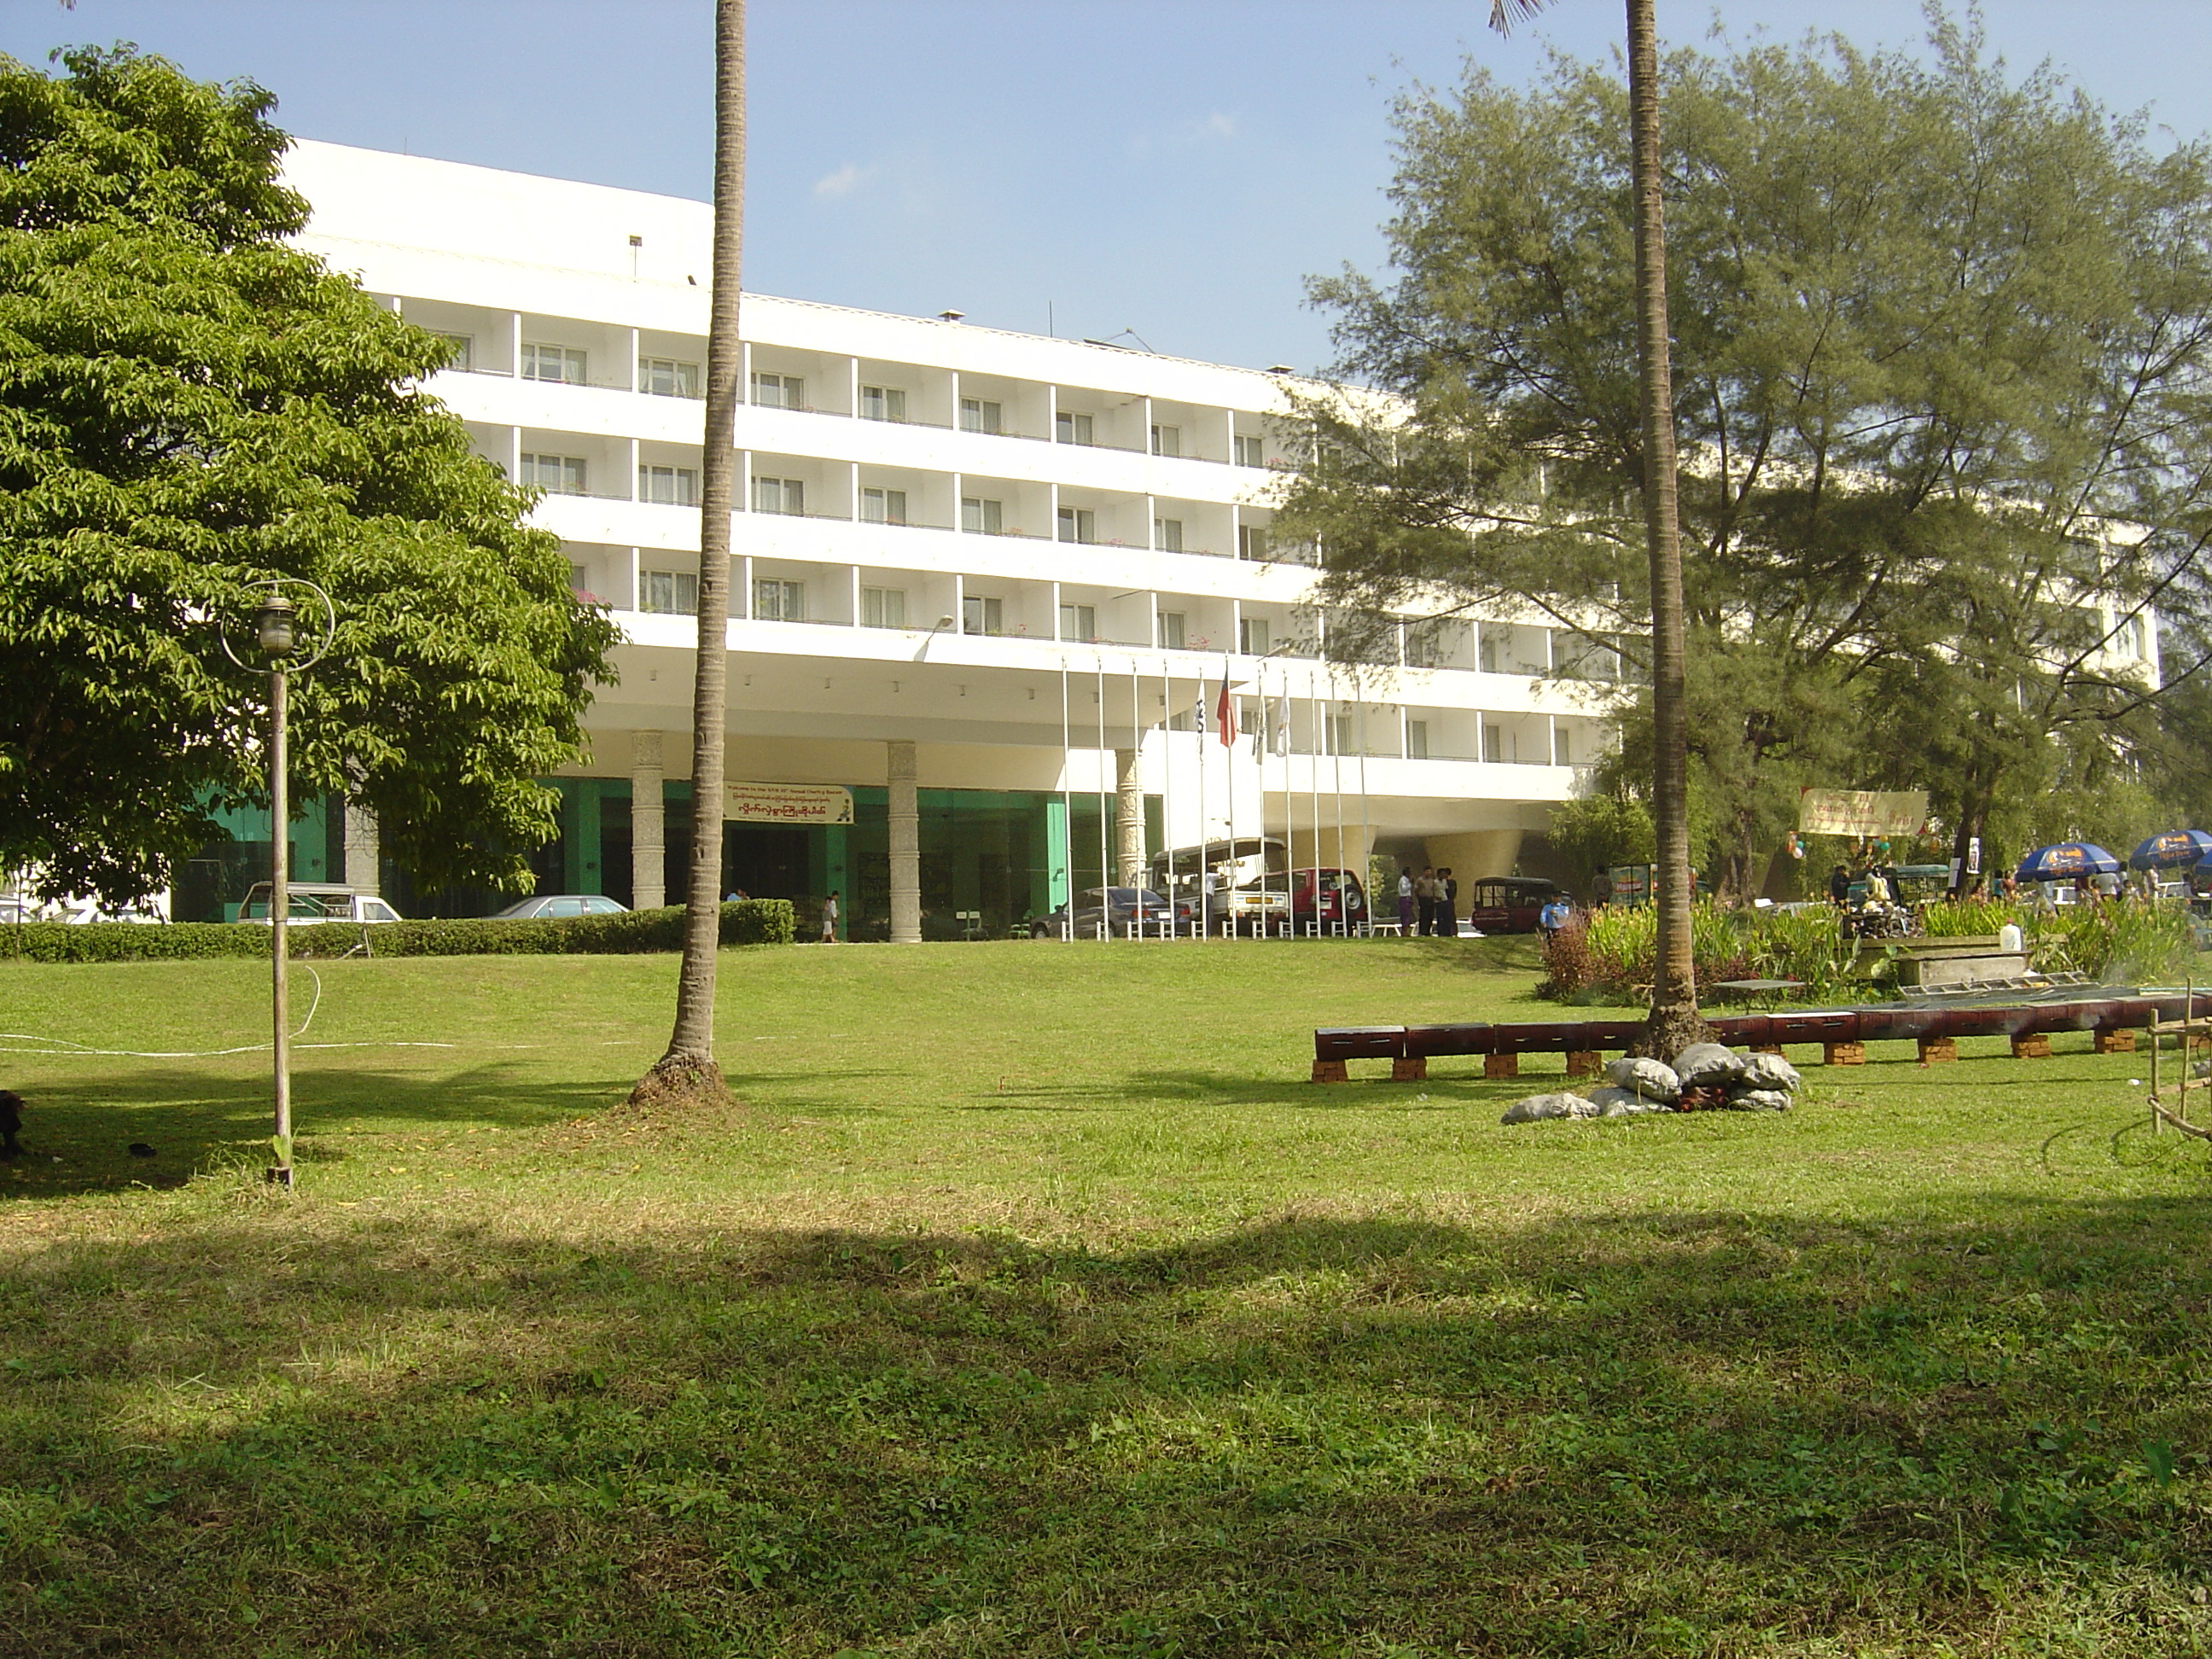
(843, 182)
(1219, 125)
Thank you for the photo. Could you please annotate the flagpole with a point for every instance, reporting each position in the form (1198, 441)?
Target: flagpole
(1366, 819)
(1205, 898)
(1336, 777)
(1066, 796)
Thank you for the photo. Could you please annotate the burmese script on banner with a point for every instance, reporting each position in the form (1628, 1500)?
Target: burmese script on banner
(787, 803)
(1861, 811)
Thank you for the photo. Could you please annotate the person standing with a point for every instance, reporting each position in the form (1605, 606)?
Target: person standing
(1425, 900)
(1405, 900)
(1839, 887)
(1447, 904)
(830, 918)
(1553, 916)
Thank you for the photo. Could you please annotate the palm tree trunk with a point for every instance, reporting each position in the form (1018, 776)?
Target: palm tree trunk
(688, 1070)
(1675, 1019)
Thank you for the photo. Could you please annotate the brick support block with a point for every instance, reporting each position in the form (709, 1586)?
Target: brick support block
(2116, 1042)
(2033, 1046)
(1584, 1062)
(1501, 1065)
(1844, 1054)
(1329, 1071)
(1410, 1068)
(1938, 1051)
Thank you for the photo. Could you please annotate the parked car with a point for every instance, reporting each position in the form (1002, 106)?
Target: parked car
(1334, 898)
(1508, 904)
(144, 914)
(316, 901)
(551, 907)
(1122, 911)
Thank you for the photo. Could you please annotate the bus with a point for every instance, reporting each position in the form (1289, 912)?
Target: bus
(1250, 888)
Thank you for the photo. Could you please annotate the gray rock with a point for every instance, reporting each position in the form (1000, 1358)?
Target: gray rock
(1758, 1100)
(1537, 1108)
(1624, 1102)
(1652, 1078)
(1769, 1071)
(1706, 1063)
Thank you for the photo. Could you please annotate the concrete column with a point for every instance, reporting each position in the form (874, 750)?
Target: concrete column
(648, 869)
(906, 846)
(363, 852)
(1128, 819)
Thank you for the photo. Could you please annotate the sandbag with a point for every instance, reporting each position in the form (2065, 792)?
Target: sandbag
(1624, 1102)
(1652, 1078)
(1536, 1108)
(1706, 1063)
(1769, 1071)
(1758, 1100)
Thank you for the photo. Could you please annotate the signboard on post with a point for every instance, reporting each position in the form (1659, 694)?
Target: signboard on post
(1862, 811)
(787, 803)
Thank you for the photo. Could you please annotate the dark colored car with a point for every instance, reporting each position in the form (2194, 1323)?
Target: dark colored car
(1123, 911)
(550, 907)
(1334, 898)
(1507, 904)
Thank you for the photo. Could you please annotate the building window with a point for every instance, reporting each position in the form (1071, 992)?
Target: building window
(882, 403)
(775, 601)
(1252, 635)
(979, 517)
(1490, 646)
(1171, 630)
(1417, 740)
(1562, 755)
(981, 614)
(1167, 535)
(460, 351)
(979, 415)
(883, 507)
(556, 475)
(1167, 439)
(1494, 743)
(1078, 622)
(1251, 542)
(668, 593)
(1078, 524)
(784, 495)
(778, 391)
(553, 363)
(668, 486)
(579, 577)
(1339, 733)
(1071, 428)
(883, 607)
(666, 377)
(1250, 451)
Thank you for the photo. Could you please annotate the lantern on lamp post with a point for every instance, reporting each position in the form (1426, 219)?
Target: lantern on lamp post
(275, 642)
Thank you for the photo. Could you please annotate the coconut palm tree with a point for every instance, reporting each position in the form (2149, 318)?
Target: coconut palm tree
(688, 1070)
(1675, 1019)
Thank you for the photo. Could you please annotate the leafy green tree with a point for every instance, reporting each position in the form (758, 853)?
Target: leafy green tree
(189, 405)
(1942, 339)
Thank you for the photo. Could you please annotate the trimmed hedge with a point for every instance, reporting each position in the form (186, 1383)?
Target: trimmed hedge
(748, 921)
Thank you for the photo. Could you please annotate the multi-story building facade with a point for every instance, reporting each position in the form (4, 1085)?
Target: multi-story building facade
(985, 586)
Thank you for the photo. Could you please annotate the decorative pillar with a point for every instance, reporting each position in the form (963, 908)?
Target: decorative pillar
(906, 846)
(363, 849)
(648, 870)
(1128, 819)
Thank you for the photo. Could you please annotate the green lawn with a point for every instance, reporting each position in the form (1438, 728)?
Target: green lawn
(1034, 1303)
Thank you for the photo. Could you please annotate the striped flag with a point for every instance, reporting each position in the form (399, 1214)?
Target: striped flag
(1224, 711)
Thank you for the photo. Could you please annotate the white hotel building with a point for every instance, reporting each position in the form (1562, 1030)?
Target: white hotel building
(981, 580)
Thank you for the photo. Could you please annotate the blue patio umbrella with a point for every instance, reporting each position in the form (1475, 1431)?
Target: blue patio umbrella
(2171, 850)
(2066, 860)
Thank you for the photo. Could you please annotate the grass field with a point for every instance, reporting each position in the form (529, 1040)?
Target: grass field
(1033, 1304)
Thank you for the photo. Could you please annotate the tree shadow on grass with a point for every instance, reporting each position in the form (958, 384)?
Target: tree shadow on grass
(78, 1132)
(1625, 1433)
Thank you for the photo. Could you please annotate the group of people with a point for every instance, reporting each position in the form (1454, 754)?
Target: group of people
(1429, 900)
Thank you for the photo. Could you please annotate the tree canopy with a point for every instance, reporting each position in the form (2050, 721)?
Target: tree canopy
(1942, 350)
(189, 404)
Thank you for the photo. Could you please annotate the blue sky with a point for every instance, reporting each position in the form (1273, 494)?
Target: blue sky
(1176, 169)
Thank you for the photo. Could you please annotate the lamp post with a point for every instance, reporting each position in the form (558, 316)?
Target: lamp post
(275, 639)
(272, 633)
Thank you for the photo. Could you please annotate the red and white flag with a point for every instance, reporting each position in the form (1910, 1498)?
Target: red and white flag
(1224, 710)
